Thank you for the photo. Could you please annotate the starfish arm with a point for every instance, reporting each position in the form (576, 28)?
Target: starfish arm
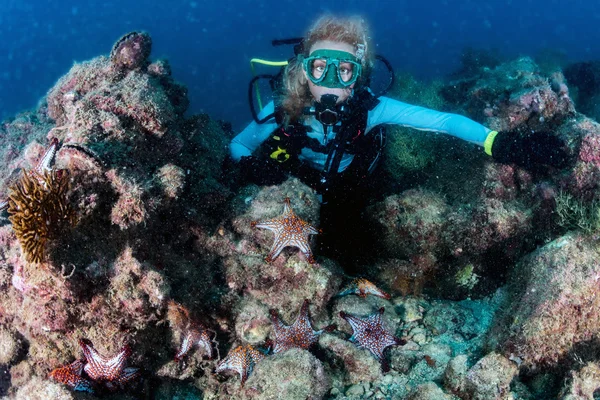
(280, 333)
(311, 230)
(114, 366)
(302, 244)
(128, 374)
(184, 348)
(273, 225)
(95, 362)
(278, 245)
(204, 343)
(356, 324)
(287, 206)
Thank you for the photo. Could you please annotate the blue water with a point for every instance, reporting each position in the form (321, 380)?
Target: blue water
(209, 43)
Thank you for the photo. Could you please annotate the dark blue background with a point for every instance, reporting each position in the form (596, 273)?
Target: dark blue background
(209, 43)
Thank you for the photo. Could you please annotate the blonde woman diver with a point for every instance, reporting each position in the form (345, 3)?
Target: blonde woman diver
(328, 128)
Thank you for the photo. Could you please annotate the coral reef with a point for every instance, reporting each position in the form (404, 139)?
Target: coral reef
(473, 289)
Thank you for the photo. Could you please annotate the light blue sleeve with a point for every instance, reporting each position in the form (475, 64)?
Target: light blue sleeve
(390, 111)
(253, 135)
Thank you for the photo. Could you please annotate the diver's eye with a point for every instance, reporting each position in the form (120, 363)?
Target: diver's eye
(318, 67)
(346, 70)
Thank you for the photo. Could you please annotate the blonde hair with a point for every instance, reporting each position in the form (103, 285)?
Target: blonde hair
(353, 30)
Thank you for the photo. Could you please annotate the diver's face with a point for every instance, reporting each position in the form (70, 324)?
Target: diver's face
(318, 91)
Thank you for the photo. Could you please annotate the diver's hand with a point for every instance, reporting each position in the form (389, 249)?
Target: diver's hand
(262, 171)
(529, 150)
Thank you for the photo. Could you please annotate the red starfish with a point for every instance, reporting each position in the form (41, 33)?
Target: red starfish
(370, 333)
(110, 371)
(289, 231)
(242, 360)
(195, 336)
(362, 288)
(300, 334)
(70, 375)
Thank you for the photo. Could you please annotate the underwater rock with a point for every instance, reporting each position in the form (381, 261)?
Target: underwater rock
(516, 95)
(293, 374)
(172, 179)
(9, 346)
(252, 323)
(42, 389)
(131, 51)
(490, 378)
(429, 391)
(456, 373)
(555, 307)
(290, 273)
(358, 364)
(160, 68)
(583, 384)
(410, 223)
(583, 181)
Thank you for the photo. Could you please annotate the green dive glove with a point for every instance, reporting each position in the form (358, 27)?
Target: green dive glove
(527, 150)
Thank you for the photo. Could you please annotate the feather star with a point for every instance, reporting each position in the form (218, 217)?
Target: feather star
(300, 334)
(242, 360)
(362, 288)
(195, 336)
(112, 372)
(289, 230)
(44, 165)
(370, 334)
(70, 375)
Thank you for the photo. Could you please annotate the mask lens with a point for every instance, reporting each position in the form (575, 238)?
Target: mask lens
(346, 72)
(317, 68)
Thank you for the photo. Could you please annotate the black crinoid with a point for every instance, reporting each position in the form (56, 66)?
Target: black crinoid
(40, 210)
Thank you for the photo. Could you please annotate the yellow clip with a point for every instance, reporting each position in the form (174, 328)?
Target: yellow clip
(277, 153)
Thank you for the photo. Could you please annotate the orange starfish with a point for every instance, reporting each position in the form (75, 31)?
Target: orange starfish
(70, 375)
(195, 336)
(289, 230)
(242, 360)
(362, 288)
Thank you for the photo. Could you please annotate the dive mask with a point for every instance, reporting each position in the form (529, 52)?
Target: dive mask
(332, 68)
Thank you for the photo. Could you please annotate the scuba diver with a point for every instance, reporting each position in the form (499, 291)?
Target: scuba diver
(327, 128)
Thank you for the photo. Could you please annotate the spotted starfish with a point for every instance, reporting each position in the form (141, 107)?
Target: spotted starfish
(195, 336)
(289, 230)
(70, 375)
(362, 288)
(242, 360)
(300, 334)
(112, 372)
(370, 334)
